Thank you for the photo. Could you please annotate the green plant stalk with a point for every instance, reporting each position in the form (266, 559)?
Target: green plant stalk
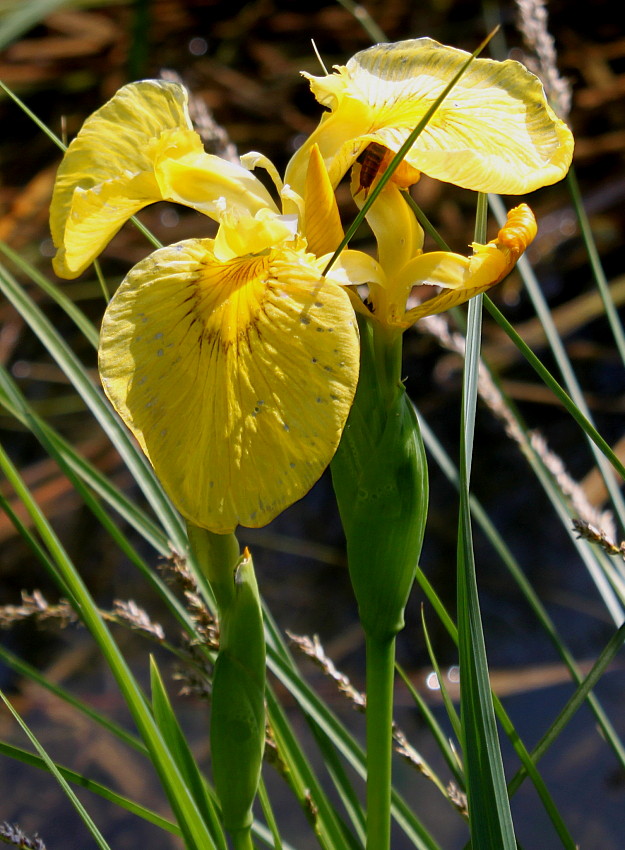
(242, 839)
(380, 677)
(379, 475)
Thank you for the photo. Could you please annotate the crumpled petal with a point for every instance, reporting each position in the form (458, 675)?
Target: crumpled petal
(236, 378)
(494, 132)
(463, 277)
(138, 148)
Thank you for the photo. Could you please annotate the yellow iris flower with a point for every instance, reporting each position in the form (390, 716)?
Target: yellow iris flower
(233, 360)
(494, 132)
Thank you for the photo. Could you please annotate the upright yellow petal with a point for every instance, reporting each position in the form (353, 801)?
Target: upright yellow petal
(339, 138)
(398, 233)
(321, 226)
(494, 132)
(236, 377)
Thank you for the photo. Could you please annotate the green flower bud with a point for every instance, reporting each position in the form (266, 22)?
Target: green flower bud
(238, 706)
(237, 730)
(380, 479)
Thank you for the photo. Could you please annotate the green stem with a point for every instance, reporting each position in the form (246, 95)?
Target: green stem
(380, 675)
(242, 839)
(217, 555)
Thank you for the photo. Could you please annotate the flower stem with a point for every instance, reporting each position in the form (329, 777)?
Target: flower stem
(380, 674)
(242, 839)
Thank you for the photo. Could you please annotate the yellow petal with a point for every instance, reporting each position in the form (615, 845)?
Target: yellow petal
(210, 184)
(241, 235)
(236, 378)
(137, 149)
(463, 277)
(338, 138)
(494, 132)
(113, 147)
(322, 223)
(96, 216)
(398, 233)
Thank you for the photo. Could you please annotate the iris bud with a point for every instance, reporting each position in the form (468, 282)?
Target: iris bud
(379, 475)
(237, 729)
(238, 706)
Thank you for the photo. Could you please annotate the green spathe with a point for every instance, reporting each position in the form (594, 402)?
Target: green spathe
(380, 478)
(237, 730)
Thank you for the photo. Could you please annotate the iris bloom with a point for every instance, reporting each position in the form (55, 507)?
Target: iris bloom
(233, 360)
(494, 132)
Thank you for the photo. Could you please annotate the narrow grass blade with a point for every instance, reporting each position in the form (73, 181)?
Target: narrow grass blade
(595, 263)
(42, 433)
(265, 803)
(332, 833)
(581, 694)
(564, 364)
(447, 701)
(510, 731)
(16, 405)
(344, 787)
(51, 766)
(24, 669)
(81, 781)
(321, 715)
(71, 583)
(508, 560)
(81, 321)
(490, 819)
(438, 735)
(489, 809)
(174, 736)
(25, 17)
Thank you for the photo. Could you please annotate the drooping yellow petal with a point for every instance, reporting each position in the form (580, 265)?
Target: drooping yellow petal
(113, 147)
(236, 378)
(494, 132)
(321, 226)
(463, 277)
(138, 148)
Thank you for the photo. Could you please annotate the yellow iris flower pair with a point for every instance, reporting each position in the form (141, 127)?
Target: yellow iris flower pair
(235, 360)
